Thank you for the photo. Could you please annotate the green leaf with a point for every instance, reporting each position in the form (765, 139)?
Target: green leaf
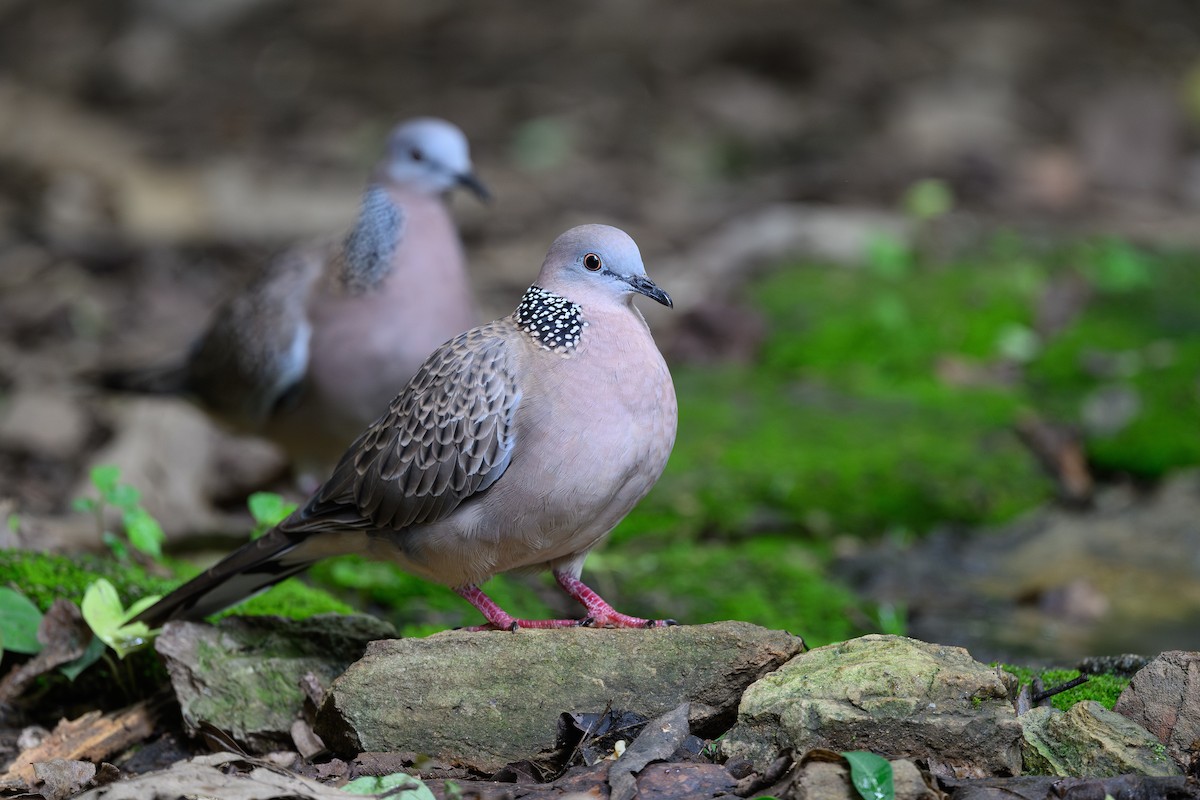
(144, 532)
(105, 478)
(141, 605)
(399, 785)
(90, 656)
(124, 497)
(102, 609)
(108, 619)
(871, 775)
(19, 620)
(268, 510)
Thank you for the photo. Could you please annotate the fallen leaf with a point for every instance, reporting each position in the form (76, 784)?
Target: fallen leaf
(658, 741)
(58, 778)
(63, 637)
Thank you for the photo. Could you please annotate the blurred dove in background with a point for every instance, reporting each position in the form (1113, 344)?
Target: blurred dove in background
(316, 344)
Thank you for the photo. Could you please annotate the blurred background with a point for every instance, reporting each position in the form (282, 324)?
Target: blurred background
(937, 335)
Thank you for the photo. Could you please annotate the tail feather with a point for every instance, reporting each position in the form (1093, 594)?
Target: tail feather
(245, 572)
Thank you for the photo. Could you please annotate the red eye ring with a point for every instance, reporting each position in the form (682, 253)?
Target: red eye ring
(592, 262)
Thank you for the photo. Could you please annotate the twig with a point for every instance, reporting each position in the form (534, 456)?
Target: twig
(1060, 688)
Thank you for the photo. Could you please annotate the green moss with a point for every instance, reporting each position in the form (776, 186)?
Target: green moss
(291, 599)
(44, 577)
(1104, 689)
(1144, 340)
(771, 581)
(886, 402)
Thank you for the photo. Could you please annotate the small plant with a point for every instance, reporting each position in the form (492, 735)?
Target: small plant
(268, 510)
(924, 202)
(142, 531)
(110, 620)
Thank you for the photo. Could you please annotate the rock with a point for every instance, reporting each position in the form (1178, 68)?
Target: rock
(1164, 697)
(888, 694)
(181, 463)
(482, 700)
(993, 591)
(46, 421)
(1090, 741)
(1130, 135)
(242, 676)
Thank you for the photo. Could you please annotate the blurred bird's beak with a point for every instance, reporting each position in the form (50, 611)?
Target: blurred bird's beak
(644, 285)
(468, 180)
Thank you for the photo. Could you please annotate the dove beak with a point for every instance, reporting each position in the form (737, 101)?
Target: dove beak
(643, 285)
(470, 181)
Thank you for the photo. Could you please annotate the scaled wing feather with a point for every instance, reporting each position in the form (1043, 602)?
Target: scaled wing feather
(447, 436)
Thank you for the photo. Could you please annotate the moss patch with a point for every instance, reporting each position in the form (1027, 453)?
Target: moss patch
(44, 577)
(1104, 689)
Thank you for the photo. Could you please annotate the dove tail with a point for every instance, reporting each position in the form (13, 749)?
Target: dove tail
(243, 573)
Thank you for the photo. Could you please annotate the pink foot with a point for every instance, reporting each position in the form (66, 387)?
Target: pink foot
(599, 613)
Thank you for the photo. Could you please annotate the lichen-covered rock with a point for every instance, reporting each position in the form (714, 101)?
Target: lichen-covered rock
(482, 699)
(1090, 741)
(1164, 698)
(242, 675)
(890, 694)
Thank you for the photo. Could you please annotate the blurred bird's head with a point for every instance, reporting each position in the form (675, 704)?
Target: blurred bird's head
(430, 155)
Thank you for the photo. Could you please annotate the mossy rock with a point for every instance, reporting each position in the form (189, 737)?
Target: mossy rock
(1090, 741)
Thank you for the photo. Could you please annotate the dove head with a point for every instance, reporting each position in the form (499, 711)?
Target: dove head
(597, 264)
(430, 155)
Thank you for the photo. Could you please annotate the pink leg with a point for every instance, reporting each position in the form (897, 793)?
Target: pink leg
(599, 613)
(499, 619)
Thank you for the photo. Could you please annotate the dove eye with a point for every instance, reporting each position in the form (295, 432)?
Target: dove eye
(592, 262)
(416, 155)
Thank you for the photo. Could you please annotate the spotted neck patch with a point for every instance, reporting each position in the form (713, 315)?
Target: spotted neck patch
(553, 321)
(368, 249)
